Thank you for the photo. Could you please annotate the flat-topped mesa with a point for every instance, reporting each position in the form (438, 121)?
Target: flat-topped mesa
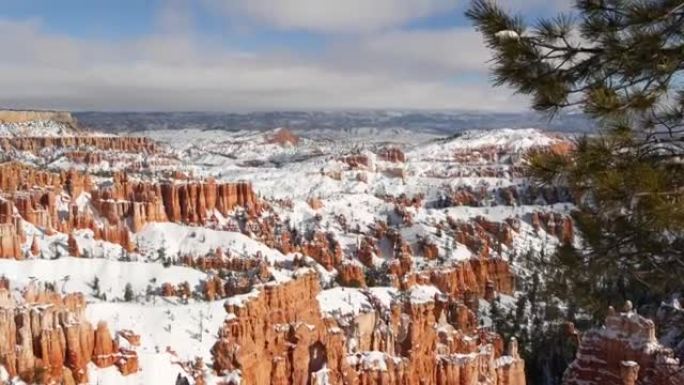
(188, 202)
(279, 336)
(47, 339)
(625, 351)
(26, 116)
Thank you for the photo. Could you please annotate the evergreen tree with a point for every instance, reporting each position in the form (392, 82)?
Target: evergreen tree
(496, 315)
(620, 62)
(161, 251)
(96, 287)
(128, 293)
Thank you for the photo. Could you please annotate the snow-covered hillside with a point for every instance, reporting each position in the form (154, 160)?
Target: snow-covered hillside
(36, 129)
(380, 216)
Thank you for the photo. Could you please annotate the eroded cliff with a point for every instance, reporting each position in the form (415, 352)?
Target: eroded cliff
(278, 335)
(624, 352)
(45, 338)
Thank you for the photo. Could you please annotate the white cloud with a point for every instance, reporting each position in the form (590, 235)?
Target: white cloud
(179, 73)
(419, 53)
(355, 16)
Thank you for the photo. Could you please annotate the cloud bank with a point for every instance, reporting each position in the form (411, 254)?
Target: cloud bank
(348, 16)
(369, 62)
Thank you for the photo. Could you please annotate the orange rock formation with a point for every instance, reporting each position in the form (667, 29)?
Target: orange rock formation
(295, 344)
(168, 201)
(46, 344)
(392, 155)
(625, 351)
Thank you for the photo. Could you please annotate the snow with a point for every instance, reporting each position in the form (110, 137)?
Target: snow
(370, 360)
(423, 293)
(383, 295)
(507, 34)
(165, 324)
(161, 327)
(155, 369)
(77, 274)
(343, 301)
(295, 173)
(36, 128)
(178, 239)
(240, 299)
(322, 376)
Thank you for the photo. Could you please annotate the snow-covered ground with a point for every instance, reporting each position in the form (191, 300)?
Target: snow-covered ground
(173, 330)
(36, 128)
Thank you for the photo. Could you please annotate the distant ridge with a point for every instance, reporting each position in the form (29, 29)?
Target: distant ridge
(303, 122)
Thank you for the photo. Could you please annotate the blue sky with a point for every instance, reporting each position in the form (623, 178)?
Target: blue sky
(237, 55)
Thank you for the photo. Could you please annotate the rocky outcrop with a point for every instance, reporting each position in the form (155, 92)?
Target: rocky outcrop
(105, 347)
(351, 273)
(324, 249)
(35, 247)
(428, 249)
(392, 155)
(481, 236)
(190, 202)
(283, 137)
(478, 277)
(556, 224)
(624, 352)
(122, 206)
(358, 161)
(15, 176)
(72, 246)
(47, 339)
(11, 240)
(278, 336)
(315, 203)
(117, 234)
(85, 157)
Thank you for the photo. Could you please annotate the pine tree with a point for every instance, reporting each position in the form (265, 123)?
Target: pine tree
(161, 251)
(496, 315)
(128, 293)
(620, 62)
(96, 287)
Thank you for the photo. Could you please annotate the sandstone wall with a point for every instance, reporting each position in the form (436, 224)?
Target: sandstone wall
(47, 339)
(188, 202)
(32, 195)
(280, 337)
